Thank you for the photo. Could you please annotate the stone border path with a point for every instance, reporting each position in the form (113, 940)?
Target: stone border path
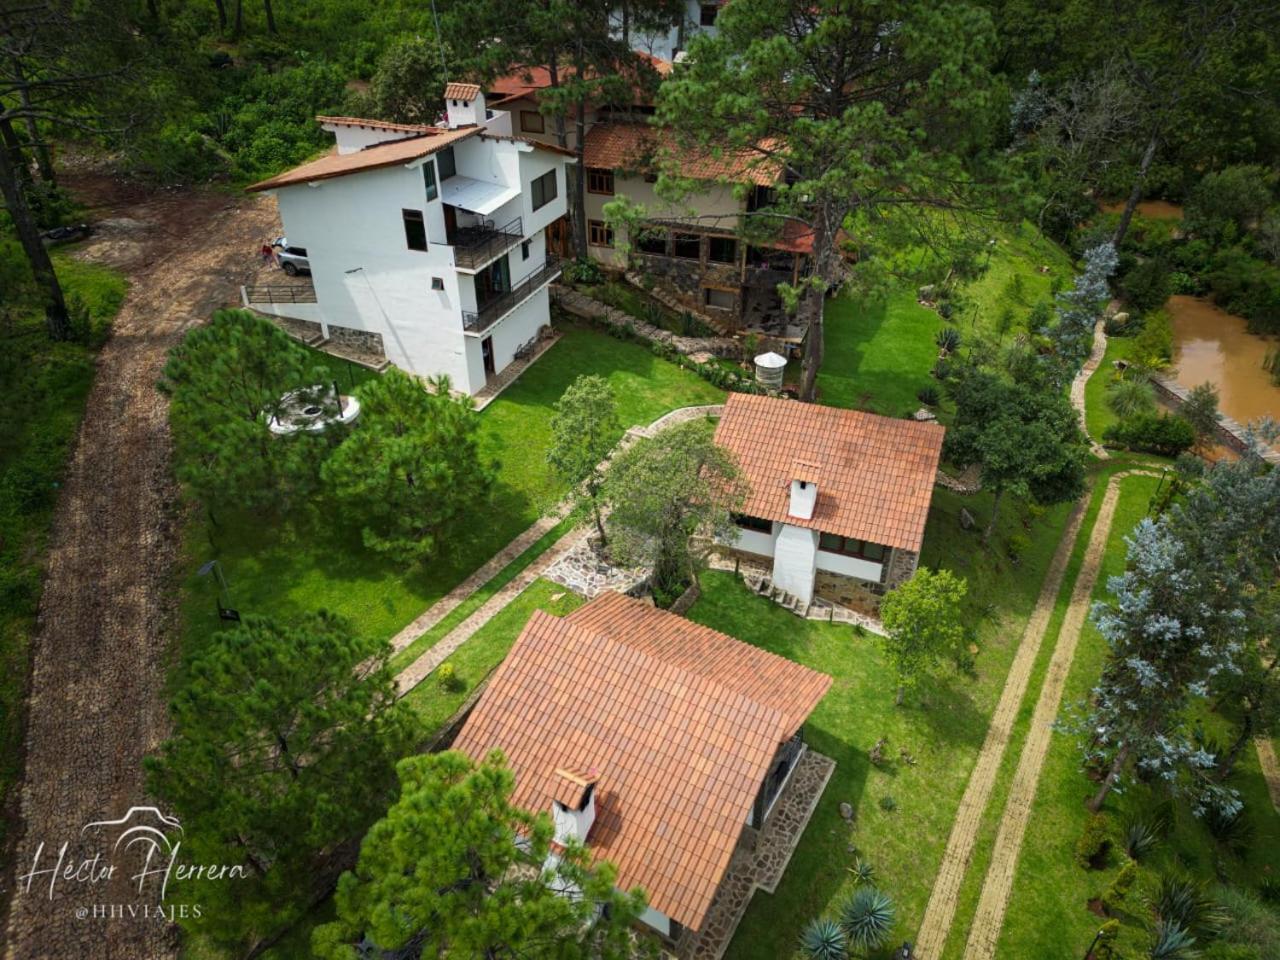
(998, 885)
(964, 832)
(422, 667)
(1270, 769)
(1082, 380)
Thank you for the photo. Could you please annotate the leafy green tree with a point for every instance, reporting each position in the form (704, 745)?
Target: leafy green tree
(867, 113)
(583, 431)
(408, 86)
(925, 621)
(1201, 411)
(1228, 202)
(1026, 440)
(412, 470)
(226, 381)
(664, 490)
(455, 870)
(284, 750)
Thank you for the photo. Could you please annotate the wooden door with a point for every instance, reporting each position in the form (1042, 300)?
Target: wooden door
(486, 351)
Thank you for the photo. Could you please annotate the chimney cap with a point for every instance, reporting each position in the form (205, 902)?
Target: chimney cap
(805, 471)
(461, 91)
(572, 788)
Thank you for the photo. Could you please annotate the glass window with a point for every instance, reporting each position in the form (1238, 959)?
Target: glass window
(415, 230)
(758, 524)
(543, 189)
(437, 283)
(531, 121)
(849, 547)
(600, 181)
(687, 246)
(707, 14)
(599, 234)
(524, 249)
(429, 178)
(831, 543)
(722, 250)
(445, 161)
(717, 299)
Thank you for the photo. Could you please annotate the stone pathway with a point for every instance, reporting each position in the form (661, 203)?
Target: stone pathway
(964, 832)
(996, 889)
(585, 572)
(511, 372)
(1082, 380)
(459, 594)
(760, 859)
(1270, 768)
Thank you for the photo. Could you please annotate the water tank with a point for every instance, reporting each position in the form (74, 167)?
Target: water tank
(769, 370)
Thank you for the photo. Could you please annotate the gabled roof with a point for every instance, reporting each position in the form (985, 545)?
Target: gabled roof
(875, 474)
(679, 725)
(640, 147)
(385, 154)
(529, 81)
(378, 124)
(461, 91)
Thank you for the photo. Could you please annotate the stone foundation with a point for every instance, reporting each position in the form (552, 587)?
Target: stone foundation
(902, 564)
(863, 595)
(683, 281)
(304, 330)
(359, 341)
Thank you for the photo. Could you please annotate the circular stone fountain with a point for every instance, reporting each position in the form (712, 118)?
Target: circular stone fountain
(313, 409)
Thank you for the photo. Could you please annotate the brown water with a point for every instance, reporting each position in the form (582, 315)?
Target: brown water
(1152, 209)
(1211, 344)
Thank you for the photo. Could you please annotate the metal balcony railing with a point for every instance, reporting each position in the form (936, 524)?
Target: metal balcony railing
(281, 293)
(476, 245)
(493, 310)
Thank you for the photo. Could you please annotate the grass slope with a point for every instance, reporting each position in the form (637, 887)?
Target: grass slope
(45, 385)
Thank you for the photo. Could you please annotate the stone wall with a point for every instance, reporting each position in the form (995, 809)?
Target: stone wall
(359, 341)
(902, 564)
(1228, 432)
(581, 305)
(863, 594)
(304, 330)
(682, 281)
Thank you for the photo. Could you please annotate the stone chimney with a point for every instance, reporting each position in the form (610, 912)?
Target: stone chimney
(804, 489)
(573, 804)
(464, 105)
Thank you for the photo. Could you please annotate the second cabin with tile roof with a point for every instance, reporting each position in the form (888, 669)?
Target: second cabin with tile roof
(838, 498)
(427, 244)
(654, 741)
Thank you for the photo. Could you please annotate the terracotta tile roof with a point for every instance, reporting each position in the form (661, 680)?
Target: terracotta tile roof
(529, 81)
(640, 147)
(380, 124)
(681, 724)
(384, 154)
(461, 91)
(876, 473)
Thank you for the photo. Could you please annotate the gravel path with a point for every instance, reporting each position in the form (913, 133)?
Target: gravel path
(964, 832)
(96, 703)
(1270, 768)
(1082, 380)
(996, 889)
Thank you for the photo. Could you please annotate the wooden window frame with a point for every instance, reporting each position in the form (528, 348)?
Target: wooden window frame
(528, 126)
(407, 217)
(599, 233)
(858, 552)
(711, 241)
(675, 245)
(600, 181)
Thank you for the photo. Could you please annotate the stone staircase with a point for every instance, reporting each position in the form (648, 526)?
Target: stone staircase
(766, 588)
(817, 609)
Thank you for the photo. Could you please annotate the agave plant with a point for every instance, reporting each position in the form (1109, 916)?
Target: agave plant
(948, 339)
(866, 919)
(1130, 397)
(1172, 943)
(863, 872)
(1233, 830)
(823, 939)
(1182, 902)
(1141, 835)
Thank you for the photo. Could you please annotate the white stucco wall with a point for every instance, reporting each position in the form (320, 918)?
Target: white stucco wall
(755, 541)
(351, 138)
(366, 277)
(664, 45)
(658, 921)
(849, 566)
(794, 561)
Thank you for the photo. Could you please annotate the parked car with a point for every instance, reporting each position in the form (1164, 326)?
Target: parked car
(67, 234)
(293, 260)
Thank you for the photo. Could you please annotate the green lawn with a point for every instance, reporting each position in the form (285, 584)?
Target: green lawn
(879, 353)
(1047, 913)
(942, 727)
(316, 561)
(45, 385)
(1098, 415)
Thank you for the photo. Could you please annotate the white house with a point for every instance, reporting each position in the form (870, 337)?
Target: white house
(426, 244)
(838, 498)
(698, 18)
(652, 740)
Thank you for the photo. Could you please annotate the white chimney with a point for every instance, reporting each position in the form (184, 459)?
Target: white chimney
(464, 105)
(573, 805)
(804, 489)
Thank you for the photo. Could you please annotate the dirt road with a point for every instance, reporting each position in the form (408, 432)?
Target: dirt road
(99, 659)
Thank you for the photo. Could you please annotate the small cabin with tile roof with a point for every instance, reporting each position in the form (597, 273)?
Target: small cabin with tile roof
(838, 498)
(651, 739)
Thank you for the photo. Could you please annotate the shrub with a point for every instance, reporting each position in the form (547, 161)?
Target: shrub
(929, 395)
(1248, 286)
(866, 919)
(585, 271)
(1141, 835)
(1016, 546)
(448, 677)
(1094, 843)
(942, 369)
(1152, 433)
(1233, 830)
(1147, 285)
(1130, 397)
(1119, 887)
(888, 804)
(1227, 201)
(1153, 345)
(948, 339)
(823, 940)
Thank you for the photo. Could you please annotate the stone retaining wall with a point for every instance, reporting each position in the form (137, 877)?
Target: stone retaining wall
(1228, 432)
(360, 341)
(682, 282)
(580, 305)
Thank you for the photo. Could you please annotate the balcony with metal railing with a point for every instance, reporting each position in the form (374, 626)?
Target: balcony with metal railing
(494, 309)
(476, 244)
